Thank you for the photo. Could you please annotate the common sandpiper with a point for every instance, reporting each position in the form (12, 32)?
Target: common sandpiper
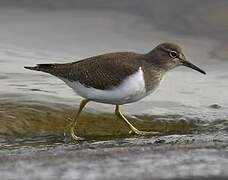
(118, 78)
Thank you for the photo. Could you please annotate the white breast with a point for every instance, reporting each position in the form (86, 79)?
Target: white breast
(130, 90)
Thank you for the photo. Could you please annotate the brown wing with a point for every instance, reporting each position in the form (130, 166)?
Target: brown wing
(100, 72)
(105, 71)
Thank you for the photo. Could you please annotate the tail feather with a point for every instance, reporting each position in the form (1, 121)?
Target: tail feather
(42, 67)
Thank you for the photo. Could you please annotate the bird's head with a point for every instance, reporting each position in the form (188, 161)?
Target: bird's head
(169, 56)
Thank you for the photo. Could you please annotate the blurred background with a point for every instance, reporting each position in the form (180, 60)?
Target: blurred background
(63, 31)
(188, 107)
(83, 28)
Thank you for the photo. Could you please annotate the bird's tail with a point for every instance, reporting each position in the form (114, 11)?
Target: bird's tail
(49, 68)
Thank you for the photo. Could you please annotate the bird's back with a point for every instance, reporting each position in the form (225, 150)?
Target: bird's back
(100, 72)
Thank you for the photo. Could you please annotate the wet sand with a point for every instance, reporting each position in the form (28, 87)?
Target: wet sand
(167, 157)
(35, 145)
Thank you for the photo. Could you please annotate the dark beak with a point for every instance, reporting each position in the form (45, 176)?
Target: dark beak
(190, 65)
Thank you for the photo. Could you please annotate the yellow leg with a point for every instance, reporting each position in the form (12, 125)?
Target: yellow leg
(74, 123)
(133, 129)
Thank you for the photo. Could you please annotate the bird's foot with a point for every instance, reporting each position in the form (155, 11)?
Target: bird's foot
(74, 136)
(71, 127)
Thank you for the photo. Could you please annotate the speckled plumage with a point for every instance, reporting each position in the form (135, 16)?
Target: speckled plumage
(105, 71)
(118, 78)
(108, 71)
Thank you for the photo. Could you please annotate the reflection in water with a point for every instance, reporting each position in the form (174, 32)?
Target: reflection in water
(38, 118)
(34, 119)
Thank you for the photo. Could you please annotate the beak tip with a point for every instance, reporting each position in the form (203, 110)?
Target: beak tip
(203, 72)
(190, 65)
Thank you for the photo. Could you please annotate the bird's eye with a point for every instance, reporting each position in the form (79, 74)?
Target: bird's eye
(173, 54)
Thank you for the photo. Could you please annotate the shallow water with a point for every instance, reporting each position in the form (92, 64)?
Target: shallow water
(189, 109)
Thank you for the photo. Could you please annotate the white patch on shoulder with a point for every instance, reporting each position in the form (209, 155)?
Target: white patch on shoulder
(130, 90)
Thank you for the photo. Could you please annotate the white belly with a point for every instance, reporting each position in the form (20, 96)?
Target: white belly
(130, 90)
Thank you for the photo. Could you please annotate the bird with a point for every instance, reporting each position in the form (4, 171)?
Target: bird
(118, 78)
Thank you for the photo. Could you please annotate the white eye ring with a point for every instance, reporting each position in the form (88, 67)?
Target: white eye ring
(173, 54)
